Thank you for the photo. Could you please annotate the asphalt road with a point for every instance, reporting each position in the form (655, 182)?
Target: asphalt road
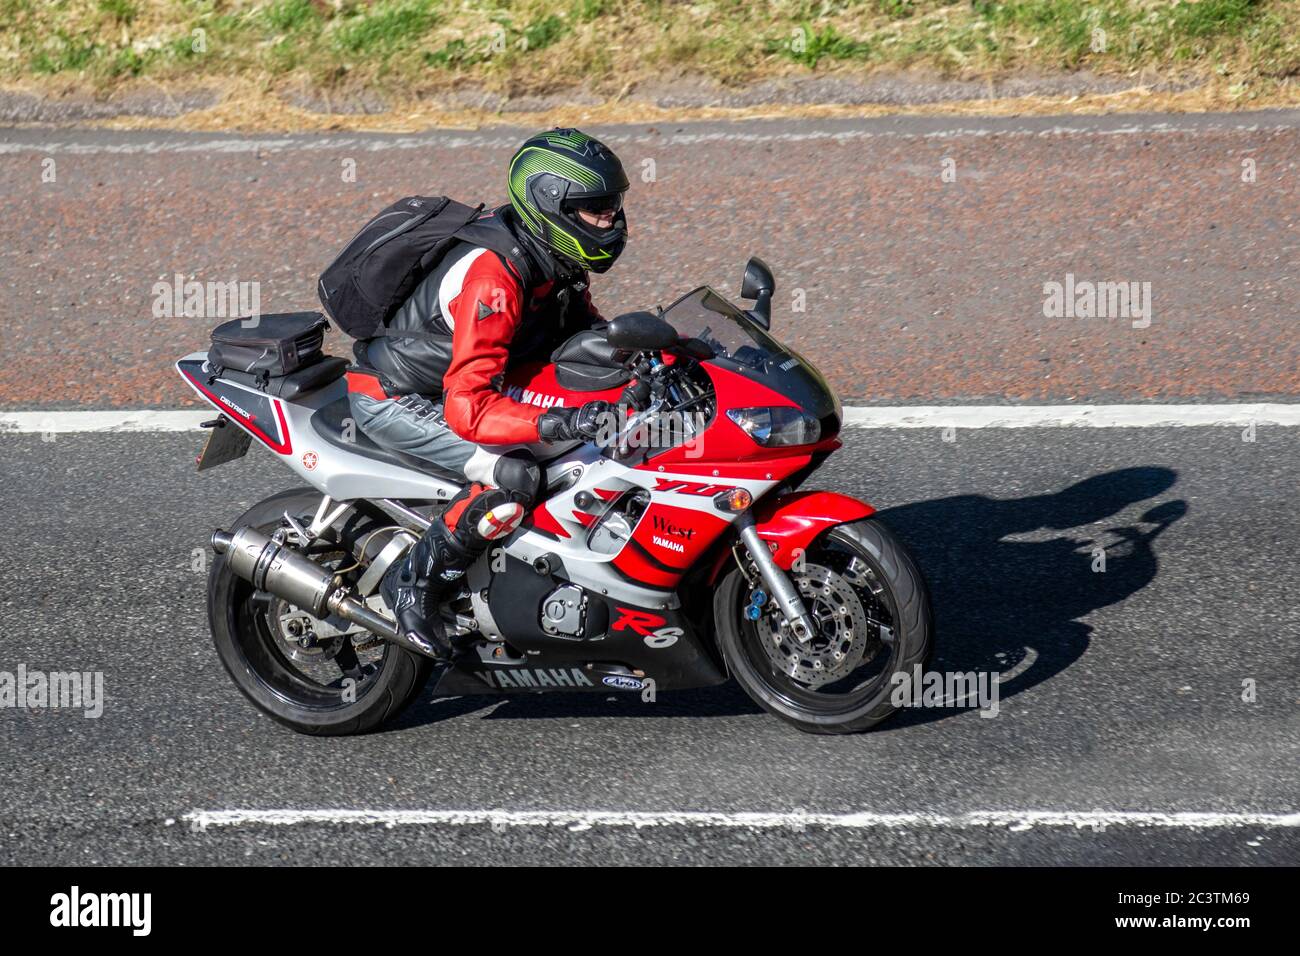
(1126, 694)
(910, 288)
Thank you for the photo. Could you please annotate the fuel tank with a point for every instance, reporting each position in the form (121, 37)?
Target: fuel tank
(538, 384)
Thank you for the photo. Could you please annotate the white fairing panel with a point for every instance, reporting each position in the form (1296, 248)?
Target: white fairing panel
(345, 475)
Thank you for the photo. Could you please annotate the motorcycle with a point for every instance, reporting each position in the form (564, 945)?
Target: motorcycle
(678, 552)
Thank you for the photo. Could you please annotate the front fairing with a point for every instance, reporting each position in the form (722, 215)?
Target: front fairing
(742, 347)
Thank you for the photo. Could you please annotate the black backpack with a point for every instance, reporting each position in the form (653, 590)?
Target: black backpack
(380, 268)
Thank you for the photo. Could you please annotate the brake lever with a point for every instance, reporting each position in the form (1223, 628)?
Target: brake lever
(634, 422)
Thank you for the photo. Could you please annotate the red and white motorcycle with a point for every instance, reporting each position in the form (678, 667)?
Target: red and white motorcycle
(677, 554)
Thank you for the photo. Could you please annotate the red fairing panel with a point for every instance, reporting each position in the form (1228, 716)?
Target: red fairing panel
(724, 441)
(639, 566)
(667, 542)
(541, 519)
(792, 521)
(724, 453)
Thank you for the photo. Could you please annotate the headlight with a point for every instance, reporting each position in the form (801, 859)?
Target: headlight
(774, 427)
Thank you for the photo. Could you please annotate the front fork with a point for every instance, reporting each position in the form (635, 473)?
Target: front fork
(777, 581)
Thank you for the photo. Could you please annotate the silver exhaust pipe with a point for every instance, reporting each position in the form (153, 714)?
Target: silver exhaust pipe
(300, 581)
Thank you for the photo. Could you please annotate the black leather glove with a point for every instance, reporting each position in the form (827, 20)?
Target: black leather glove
(568, 424)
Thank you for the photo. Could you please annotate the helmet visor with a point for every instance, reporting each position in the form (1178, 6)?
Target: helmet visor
(597, 206)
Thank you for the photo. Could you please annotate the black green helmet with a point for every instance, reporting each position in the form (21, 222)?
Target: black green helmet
(556, 174)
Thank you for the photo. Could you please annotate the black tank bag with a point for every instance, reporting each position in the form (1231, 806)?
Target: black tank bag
(380, 268)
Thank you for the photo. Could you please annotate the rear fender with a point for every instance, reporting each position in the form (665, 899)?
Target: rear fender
(789, 523)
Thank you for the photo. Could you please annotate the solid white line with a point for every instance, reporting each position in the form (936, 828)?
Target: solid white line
(1016, 820)
(855, 416)
(453, 140)
(140, 420)
(1084, 416)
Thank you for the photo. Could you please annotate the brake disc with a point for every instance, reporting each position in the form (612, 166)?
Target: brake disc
(844, 631)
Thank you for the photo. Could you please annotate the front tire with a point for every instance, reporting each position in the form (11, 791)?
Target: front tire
(861, 583)
(312, 698)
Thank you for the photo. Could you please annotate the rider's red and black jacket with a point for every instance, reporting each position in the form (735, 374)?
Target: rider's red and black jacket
(471, 318)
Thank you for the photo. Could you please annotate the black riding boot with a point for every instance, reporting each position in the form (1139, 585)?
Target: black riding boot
(415, 587)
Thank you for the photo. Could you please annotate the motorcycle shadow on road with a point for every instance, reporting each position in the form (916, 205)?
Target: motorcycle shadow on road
(1010, 580)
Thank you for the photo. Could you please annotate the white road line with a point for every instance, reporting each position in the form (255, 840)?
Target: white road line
(859, 416)
(458, 140)
(1016, 820)
(1070, 416)
(58, 423)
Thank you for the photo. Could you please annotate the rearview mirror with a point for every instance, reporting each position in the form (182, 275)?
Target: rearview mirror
(640, 331)
(759, 284)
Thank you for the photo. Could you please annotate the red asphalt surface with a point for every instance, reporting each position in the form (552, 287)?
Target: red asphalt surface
(915, 290)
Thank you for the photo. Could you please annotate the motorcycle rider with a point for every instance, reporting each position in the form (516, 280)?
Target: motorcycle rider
(429, 384)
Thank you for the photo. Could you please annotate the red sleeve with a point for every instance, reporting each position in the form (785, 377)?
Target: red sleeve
(485, 315)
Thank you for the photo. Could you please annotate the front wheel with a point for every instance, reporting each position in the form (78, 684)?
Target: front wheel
(864, 590)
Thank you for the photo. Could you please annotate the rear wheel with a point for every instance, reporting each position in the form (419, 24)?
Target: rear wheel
(316, 683)
(870, 602)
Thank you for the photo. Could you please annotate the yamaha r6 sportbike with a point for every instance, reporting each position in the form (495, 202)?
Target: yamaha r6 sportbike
(662, 559)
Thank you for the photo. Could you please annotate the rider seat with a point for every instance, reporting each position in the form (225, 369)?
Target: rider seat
(336, 424)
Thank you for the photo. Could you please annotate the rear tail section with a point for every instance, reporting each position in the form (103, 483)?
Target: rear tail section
(256, 412)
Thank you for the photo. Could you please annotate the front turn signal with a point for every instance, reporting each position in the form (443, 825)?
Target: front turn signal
(736, 500)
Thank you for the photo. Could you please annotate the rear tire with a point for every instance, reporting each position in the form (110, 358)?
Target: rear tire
(903, 596)
(257, 662)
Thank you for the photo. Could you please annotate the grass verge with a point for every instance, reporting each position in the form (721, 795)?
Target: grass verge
(408, 48)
